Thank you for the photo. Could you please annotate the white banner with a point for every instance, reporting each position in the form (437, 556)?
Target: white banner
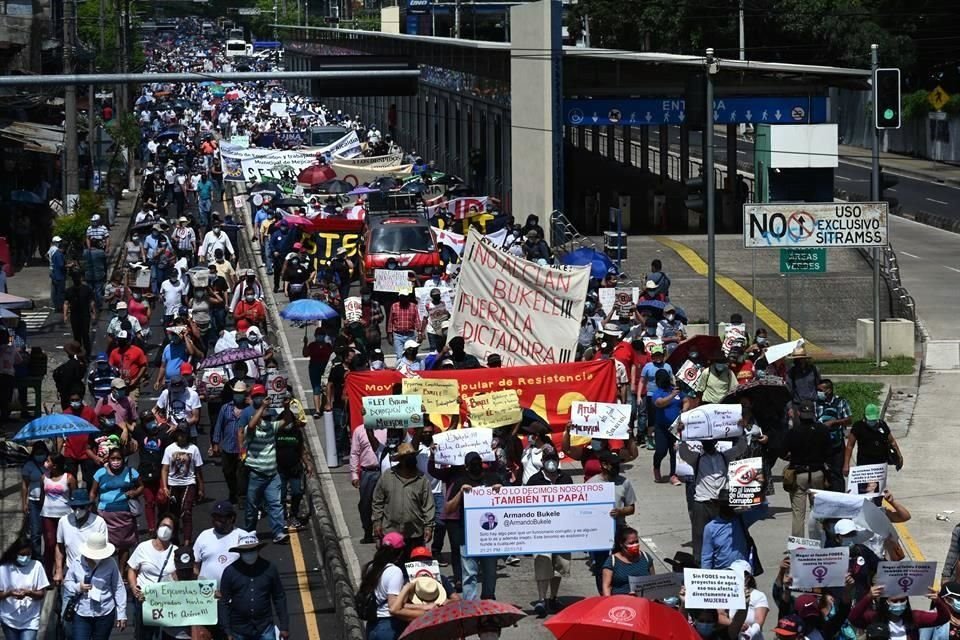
(358, 175)
(255, 164)
(417, 568)
(713, 589)
(796, 542)
(712, 422)
(806, 224)
(390, 160)
(905, 578)
(833, 504)
(456, 241)
(601, 420)
(453, 445)
(684, 470)
(867, 480)
(816, 568)
(561, 518)
(526, 313)
(391, 280)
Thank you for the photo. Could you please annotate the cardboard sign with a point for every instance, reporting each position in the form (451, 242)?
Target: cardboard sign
(601, 420)
(353, 309)
(492, 410)
(714, 589)
(712, 422)
(393, 412)
(391, 280)
(867, 480)
(905, 578)
(796, 542)
(179, 604)
(833, 504)
(416, 569)
(658, 587)
(814, 568)
(689, 373)
(439, 396)
(743, 482)
(453, 445)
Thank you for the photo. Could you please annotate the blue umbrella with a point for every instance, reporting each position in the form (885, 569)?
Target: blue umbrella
(54, 425)
(308, 310)
(653, 306)
(600, 264)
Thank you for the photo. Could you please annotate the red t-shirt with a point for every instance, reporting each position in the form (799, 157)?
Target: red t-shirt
(75, 447)
(129, 362)
(745, 372)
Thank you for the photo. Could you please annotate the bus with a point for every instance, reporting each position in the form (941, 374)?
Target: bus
(236, 45)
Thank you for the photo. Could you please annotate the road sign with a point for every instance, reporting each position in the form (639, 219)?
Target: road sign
(248, 11)
(657, 111)
(806, 224)
(803, 260)
(938, 97)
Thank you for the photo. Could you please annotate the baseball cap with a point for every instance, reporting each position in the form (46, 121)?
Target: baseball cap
(258, 390)
(95, 217)
(223, 508)
(807, 606)
(393, 540)
(118, 383)
(845, 526)
(411, 344)
(186, 369)
(102, 356)
(871, 412)
(56, 239)
(657, 348)
(421, 553)
(177, 380)
(807, 409)
(121, 305)
(789, 626)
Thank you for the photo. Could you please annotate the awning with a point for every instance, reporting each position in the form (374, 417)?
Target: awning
(43, 138)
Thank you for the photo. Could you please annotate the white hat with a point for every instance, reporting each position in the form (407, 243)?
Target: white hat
(845, 526)
(411, 344)
(56, 239)
(121, 305)
(95, 217)
(428, 589)
(97, 547)
(650, 284)
(741, 566)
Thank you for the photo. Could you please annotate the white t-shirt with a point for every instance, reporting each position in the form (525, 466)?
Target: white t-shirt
(391, 584)
(73, 538)
(172, 293)
(183, 463)
(213, 553)
(758, 599)
(22, 613)
(152, 565)
(181, 405)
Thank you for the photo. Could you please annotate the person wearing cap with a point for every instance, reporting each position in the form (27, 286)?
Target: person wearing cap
(403, 501)
(58, 272)
(97, 232)
(895, 611)
(253, 595)
(100, 593)
(873, 440)
(715, 381)
(549, 568)
(73, 530)
(534, 248)
(651, 292)
(130, 361)
(258, 429)
(671, 329)
(803, 377)
(807, 448)
(225, 437)
(403, 322)
(181, 479)
(381, 583)
(100, 377)
(409, 365)
(184, 239)
(791, 627)
(834, 413)
(124, 408)
(213, 240)
(123, 321)
(212, 548)
(179, 349)
(342, 270)
(648, 380)
(179, 405)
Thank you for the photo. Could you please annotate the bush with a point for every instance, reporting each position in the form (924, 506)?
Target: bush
(73, 228)
(915, 105)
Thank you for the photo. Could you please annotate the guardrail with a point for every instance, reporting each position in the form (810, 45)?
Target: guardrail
(902, 304)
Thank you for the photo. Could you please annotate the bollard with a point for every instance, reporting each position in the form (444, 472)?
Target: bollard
(330, 440)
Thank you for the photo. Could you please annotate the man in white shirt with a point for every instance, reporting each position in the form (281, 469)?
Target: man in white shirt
(212, 547)
(179, 403)
(173, 292)
(73, 530)
(213, 240)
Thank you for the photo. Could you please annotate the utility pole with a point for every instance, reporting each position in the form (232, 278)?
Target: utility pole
(708, 185)
(743, 51)
(875, 196)
(456, 20)
(71, 176)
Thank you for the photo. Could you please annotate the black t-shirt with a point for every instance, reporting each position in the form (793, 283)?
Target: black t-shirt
(808, 444)
(219, 284)
(289, 448)
(873, 443)
(539, 479)
(151, 451)
(467, 362)
(487, 479)
(297, 275)
(338, 375)
(79, 297)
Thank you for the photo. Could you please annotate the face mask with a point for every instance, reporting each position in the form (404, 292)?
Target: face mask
(955, 605)
(239, 398)
(81, 513)
(121, 314)
(871, 423)
(761, 341)
(436, 299)
(115, 465)
(216, 232)
(257, 402)
(832, 613)
(23, 560)
(821, 396)
(76, 405)
(550, 466)
(705, 629)
(250, 299)
(119, 394)
(427, 439)
(39, 459)
(249, 557)
(410, 462)
(164, 533)
(670, 317)
(138, 297)
(897, 608)
(673, 602)
(720, 367)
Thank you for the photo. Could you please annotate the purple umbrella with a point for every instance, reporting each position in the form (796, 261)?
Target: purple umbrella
(359, 191)
(229, 356)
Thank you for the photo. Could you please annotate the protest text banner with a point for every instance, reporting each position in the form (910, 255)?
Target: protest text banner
(743, 482)
(601, 420)
(439, 396)
(393, 412)
(495, 409)
(549, 390)
(513, 307)
(391, 280)
(796, 542)
(539, 519)
(712, 421)
(329, 235)
(453, 445)
(814, 568)
(867, 480)
(353, 309)
(833, 504)
(657, 587)
(905, 578)
(253, 163)
(179, 604)
(713, 589)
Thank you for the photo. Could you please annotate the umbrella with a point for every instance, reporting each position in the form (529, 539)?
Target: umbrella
(316, 174)
(702, 345)
(461, 619)
(9, 301)
(28, 197)
(655, 307)
(176, 127)
(768, 396)
(414, 187)
(178, 149)
(308, 310)
(359, 191)
(229, 356)
(600, 264)
(167, 134)
(144, 100)
(298, 221)
(447, 179)
(386, 183)
(232, 95)
(289, 202)
(334, 186)
(623, 617)
(54, 425)
(217, 90)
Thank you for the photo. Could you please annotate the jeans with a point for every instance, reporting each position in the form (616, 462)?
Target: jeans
(439, 529)
(9, 633)
(664, 440)
(36, 526)
(99, 628)
(268, 634)
(263, 490)
(295, 482)
(204, 207)
(368, 482)
(385, 629)
(230, 465)
(484, 569)
(399, 339)
(183, 497)
(58, 289)
(157, 276)
(436, 341)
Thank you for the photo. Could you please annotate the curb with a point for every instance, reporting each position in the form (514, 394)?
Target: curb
(908, 173)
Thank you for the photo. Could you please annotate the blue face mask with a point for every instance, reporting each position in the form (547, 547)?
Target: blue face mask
(955, 605)
(705, 629)
(672, 602)
(23, 560)
(897, 608)
(832, 613)
(821, 396)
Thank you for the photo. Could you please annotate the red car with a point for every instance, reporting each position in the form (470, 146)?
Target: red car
(405, 243)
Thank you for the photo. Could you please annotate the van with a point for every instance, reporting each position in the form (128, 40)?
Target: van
(400, 242)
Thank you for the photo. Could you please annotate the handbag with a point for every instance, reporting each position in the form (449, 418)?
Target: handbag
(789, 479)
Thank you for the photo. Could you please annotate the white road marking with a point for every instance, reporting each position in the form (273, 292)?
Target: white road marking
(911, 255)
(846, 179)
(951, 269)
(935, 200)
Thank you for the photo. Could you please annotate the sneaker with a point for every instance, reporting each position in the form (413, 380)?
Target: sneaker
(281, 538)
(650, 445)
(513, 561)
(675, 481)
(553, 605)
(657, 476)
(541, 609)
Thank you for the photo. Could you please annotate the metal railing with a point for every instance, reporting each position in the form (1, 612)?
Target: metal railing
(902, 304)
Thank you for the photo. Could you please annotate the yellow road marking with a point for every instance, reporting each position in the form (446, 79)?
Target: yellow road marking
(772, 321)
(303, 582)
(909, 542)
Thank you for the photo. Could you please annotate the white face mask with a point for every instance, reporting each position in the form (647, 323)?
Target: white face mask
(164, 533)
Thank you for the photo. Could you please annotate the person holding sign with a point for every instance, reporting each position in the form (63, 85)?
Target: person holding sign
(950, 593)
(403, 322)
(624, 505)
(895, 611)
(667, 402)
(549, 568)
(627, 561)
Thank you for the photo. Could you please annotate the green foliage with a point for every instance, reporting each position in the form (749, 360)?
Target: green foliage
(894, 367)
(107, 58)
(73, 228)
(915, 106)
(859, 395)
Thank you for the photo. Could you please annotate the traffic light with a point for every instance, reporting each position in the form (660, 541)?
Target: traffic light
(886, 92)
(696, 198)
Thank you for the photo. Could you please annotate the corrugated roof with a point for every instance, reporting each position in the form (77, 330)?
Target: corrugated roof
(43, 138)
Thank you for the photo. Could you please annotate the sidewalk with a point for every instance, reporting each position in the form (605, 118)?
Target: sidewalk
(919, 168)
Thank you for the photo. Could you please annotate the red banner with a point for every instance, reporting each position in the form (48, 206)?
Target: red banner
(548, 389)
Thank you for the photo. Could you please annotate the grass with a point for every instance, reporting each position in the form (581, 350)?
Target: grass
(895, 367)
(859, 395)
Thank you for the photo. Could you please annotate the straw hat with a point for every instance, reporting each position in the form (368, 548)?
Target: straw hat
(97, 547)
(427, 590)
(798, 354)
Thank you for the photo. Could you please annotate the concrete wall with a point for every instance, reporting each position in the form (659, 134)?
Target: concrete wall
(896, 338)
(390, 19)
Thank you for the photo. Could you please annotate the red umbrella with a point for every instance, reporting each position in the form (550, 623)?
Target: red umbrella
(461, 619)
(298, 221)
(316, 174)
(705, 346)
(620, 618)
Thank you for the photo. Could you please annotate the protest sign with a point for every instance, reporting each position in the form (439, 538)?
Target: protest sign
(393, 412)
(684, 470)
(867, 480)
(796, 542)
(813, 568)
(276, 384)
(743, 482)
(712, 421)
(353, 309)
(439, 396)
(423, 294)
(179, 604)
(713, 589)
(905, 578)
(539, 519)
(689, 373)
(601, 420)
(416, 569)
(278, 109)
(664, 585)
(610, 296)
(526, 313)
(391, 280)
(256, 163)
(833, 504)
(547, 389)
(492, 410)
(782, 350)
(451, 446)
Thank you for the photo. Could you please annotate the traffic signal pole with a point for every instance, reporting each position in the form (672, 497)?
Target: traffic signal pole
(71, 170)
(708, 182)
(875, 196)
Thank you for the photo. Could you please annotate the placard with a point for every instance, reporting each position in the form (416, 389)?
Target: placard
(815, 568)
(743, 482)
(492, 410)
(353, 309)
(423, 295)
(689, 373)
(239, 202)
(905, 578)
(452, 446)
(868, 480)
(179, 604)
(539, 519)
(833, 504)
(391, 280)
(713, 589)
(601, 420)
(712, 422)
(439, 396)
(657, 587)
(796, 542)
(684, 470)
(393, 412)
(416, 569)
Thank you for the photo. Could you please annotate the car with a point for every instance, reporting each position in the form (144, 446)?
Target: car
(400, 242)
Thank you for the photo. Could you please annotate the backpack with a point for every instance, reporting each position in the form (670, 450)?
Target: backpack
(366, 605)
